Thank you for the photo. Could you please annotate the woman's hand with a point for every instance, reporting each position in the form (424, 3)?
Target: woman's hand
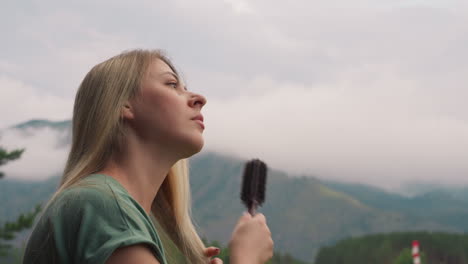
(211, 252)
(251, 241)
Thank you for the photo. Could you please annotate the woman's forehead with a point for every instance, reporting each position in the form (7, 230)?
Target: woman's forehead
(158, 67)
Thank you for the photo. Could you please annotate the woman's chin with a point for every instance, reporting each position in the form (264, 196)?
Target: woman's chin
(194, 147)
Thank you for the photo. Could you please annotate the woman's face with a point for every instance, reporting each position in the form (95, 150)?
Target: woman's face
(165, 114)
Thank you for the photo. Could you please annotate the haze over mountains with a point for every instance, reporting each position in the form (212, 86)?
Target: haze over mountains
(304, 213)
(47, 144)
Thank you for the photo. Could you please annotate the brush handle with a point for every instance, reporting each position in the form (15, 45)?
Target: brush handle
(253, 208)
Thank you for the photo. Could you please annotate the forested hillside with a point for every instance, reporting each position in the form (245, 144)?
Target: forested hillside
(436, 248)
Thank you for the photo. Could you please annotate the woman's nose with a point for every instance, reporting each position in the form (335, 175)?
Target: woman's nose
(197, 100)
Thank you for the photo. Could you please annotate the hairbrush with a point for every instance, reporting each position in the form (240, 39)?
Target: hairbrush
(253, 185)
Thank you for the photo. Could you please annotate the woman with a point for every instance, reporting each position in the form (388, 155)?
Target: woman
(134, 125)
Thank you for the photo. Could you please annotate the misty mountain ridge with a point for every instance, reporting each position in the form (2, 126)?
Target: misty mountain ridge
(304, 213)
(44, 123)
(410, 189)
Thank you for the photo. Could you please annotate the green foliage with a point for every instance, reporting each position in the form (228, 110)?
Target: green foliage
(277, 258)
(15, 255)
(7, 156)
(393, 248)
(9, 229)
(24, 221)
(406, 257)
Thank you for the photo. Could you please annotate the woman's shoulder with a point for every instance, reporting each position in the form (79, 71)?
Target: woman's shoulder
(91, 219)
(100, 199)
(91, 191)
(91, 201)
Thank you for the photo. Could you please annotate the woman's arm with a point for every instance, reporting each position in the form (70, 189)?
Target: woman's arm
(134, 254)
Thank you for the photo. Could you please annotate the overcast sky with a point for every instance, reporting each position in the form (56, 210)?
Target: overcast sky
(372, 91)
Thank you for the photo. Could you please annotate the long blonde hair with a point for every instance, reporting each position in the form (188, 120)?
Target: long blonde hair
(98, 131)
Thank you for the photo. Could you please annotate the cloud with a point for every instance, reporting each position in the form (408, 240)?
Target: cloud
(370, 91)
(376, 130)
(44, 155)
(20, 102)
(240, 6)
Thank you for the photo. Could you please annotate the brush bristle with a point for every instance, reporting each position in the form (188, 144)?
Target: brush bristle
(253, 183)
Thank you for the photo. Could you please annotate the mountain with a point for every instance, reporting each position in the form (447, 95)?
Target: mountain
(43, 123)
(420, 188)
(446, 206)
(21, 196)
(303, 213)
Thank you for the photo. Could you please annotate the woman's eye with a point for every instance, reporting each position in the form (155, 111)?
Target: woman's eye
(174, 85)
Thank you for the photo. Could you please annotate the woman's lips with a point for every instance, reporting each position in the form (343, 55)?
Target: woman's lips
(199, 120)
(200, 123)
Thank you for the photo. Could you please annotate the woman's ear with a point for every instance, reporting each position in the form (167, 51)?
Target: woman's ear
(127, 112)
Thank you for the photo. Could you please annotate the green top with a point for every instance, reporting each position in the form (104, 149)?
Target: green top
(87, 222)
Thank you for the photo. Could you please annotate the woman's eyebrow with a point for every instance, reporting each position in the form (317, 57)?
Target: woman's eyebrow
(175, 76)
(171, 73)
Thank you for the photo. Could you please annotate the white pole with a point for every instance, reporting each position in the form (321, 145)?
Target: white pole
(415, 252)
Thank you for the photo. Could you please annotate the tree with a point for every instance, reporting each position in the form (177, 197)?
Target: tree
(8, 230)
(6, 156)
(24, 221)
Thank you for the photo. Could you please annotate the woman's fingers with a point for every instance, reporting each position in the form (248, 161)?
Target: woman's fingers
(216, 261)
(260, 217)
(211, 251)
(245, 217)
